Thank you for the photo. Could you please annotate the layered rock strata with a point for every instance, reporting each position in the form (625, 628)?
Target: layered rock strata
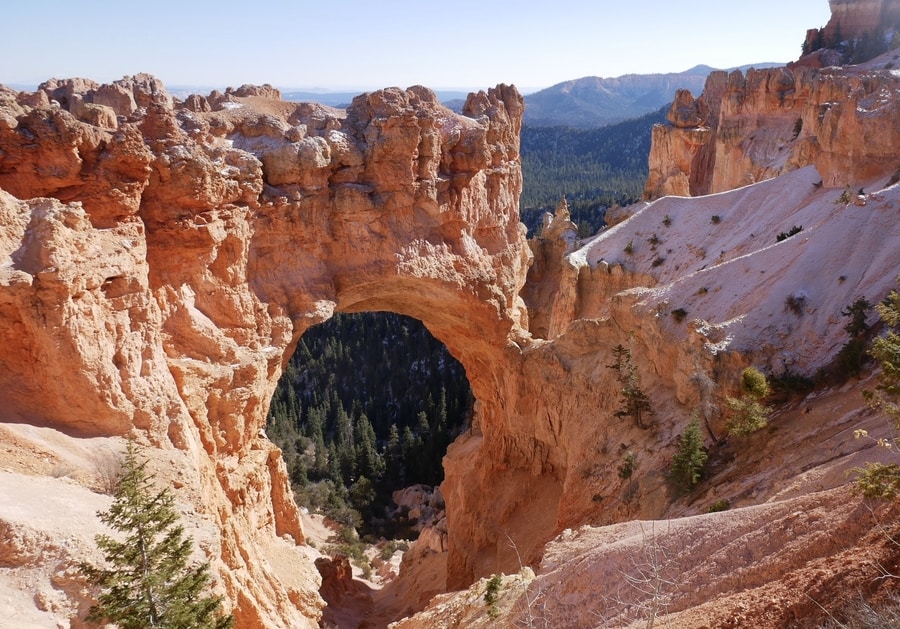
(162, 259)
(845, 122)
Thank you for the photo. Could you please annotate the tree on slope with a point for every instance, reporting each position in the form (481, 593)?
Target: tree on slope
(882, 480)
(147, 581)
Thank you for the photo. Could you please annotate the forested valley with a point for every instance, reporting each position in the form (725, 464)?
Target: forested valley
(592, 168)
(369, 403)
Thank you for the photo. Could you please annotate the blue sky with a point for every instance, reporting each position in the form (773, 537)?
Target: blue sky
(363, 45)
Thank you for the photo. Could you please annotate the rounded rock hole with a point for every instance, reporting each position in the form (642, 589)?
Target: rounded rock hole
(366, 406)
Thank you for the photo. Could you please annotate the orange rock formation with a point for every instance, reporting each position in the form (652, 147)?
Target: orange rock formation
(844, 122)
(159, 261)
(159, 271)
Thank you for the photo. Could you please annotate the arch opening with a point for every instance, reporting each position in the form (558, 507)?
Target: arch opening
(367, 405)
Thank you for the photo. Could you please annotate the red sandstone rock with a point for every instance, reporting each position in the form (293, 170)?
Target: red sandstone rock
(773, 121)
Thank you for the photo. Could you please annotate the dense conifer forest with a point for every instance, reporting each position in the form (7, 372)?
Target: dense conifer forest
(368, 404)
(593, 168)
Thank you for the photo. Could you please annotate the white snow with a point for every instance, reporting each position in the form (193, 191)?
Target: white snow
(734, 273)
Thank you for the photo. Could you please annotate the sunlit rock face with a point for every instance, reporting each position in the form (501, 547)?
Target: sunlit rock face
(161, 260)
(844, 121)
(856, 18)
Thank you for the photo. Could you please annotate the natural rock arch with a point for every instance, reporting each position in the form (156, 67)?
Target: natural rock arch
(184, 249)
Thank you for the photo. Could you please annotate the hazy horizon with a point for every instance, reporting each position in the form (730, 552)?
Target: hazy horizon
(355, 46)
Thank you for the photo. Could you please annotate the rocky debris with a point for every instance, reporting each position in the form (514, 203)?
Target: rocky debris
(421, 505)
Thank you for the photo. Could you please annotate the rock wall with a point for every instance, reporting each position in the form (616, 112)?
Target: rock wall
(855, 18)
(844, 121)
(161, 261)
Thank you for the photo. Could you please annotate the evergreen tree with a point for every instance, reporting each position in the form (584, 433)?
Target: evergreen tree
(850, 358)
(148, 582)
(635, 403)
(688, 462)
(886, 350)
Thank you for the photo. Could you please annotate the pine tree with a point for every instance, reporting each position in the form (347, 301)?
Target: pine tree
(635, 403)
(148, 582)
(688, 462)
(886, 350)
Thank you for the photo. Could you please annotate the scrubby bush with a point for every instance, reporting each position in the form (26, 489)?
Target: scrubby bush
(879, 480)
(796, 229)
(748, 413)
(886, 350)
(628, 465)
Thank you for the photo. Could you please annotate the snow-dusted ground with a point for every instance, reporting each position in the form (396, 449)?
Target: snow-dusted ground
(780, 302)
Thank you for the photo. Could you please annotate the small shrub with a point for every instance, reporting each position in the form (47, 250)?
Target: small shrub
(654, 240)
(628, 465)
(679, 314)
(798, 127)
(793, 231)
(748, 414)
(795, 303)
(658, 261)
(719, 505)
(629, 248)
(753, 381)
(878, 480)
(702, 290)
(391, 547)
(846, 197)
(107, 470)
(667, 221)
(491, 595)
(716, 219)
(688, 462)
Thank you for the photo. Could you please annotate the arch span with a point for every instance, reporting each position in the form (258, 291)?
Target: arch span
(186, 246)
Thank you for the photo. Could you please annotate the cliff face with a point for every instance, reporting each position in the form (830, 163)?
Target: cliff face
(856, 18)
(161, 262)
(844, 121)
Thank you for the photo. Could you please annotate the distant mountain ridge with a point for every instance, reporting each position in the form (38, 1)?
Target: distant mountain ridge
(592, 102)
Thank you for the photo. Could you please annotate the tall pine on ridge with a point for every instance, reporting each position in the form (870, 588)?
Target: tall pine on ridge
(148, 582)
